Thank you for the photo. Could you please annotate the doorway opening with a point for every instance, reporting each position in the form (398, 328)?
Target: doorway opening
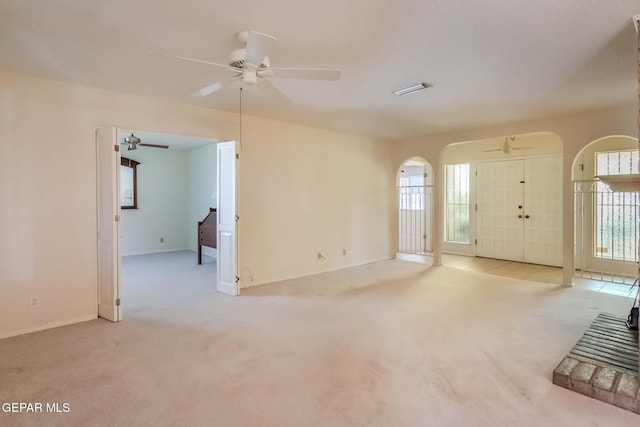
(153, 190)
(606, 222)
(415, 205)
(159, 238)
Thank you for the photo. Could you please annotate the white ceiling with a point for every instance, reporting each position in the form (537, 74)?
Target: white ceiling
(490, 61)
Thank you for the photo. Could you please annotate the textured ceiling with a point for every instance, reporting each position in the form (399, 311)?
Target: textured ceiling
(490, 61)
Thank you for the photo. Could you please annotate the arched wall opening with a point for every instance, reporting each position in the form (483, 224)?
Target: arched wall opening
(414, 182)
(502, 198)
(605, 222)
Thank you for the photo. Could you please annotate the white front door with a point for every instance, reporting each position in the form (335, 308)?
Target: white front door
(108, 206)
(543, 211)
(499, 216)
(227, 220)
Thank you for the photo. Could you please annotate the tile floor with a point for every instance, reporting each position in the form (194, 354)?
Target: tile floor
(537, 273)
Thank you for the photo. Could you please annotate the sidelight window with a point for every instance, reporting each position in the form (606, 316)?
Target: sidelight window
(457, 203)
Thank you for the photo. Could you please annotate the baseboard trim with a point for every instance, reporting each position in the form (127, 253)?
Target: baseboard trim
(420, 259)
(158, 252)
(39, 328)
(317, 272)
(227, 289)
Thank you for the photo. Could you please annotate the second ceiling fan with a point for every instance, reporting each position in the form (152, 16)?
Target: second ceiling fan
(251, 66)
(132, 142)
(507, 146)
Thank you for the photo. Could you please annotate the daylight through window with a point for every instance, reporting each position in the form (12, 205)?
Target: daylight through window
(457, 203)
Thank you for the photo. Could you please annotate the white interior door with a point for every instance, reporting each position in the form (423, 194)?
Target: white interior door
(227, 220)
(108, 182)
(543, 211)
(499, 216)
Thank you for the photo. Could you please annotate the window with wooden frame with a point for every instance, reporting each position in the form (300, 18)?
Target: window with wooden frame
(128, 183)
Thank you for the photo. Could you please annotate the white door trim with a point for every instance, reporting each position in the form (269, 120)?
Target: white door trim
(227, 219)
(108, 223)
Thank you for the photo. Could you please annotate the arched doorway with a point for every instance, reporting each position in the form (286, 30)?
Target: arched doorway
(606, 222)
(415, 206)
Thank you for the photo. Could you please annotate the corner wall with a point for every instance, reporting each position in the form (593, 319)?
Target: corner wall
(162, 201)
(202, 179)
(306, 191)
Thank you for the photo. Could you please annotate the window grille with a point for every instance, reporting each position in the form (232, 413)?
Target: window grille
(457, 203)
(616, 213)
(414, 199)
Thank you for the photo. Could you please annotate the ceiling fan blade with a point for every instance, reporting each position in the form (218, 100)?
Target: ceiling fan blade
(186, 58)
(142, 144)
(272, 91)
(306, 73)
(258, 46)
(208, 90)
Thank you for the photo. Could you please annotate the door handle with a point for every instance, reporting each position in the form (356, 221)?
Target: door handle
(526, 216)
(519, 216)
(519, 206)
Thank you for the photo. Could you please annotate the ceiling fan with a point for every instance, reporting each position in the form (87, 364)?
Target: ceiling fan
(251, 66)
(506, 146)
(133, 141)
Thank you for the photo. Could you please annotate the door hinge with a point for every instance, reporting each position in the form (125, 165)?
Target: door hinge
(424, 236)
(237, 156)
(117, 218)
(117, 302)
(116, 148)
(237, 218)
(476, 206)
(237, 279)
(476, 241)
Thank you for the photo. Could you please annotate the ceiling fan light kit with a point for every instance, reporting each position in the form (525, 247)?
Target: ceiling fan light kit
(412, 89)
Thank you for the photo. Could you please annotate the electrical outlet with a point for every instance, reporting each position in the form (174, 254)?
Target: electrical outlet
(35, 301)
(162, 240)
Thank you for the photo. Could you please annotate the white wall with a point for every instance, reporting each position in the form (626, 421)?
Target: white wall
(202, 179)
(303, 190)
(306, 191)
(162, 203)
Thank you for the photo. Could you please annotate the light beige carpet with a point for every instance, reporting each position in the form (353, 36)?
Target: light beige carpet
(386, 344)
